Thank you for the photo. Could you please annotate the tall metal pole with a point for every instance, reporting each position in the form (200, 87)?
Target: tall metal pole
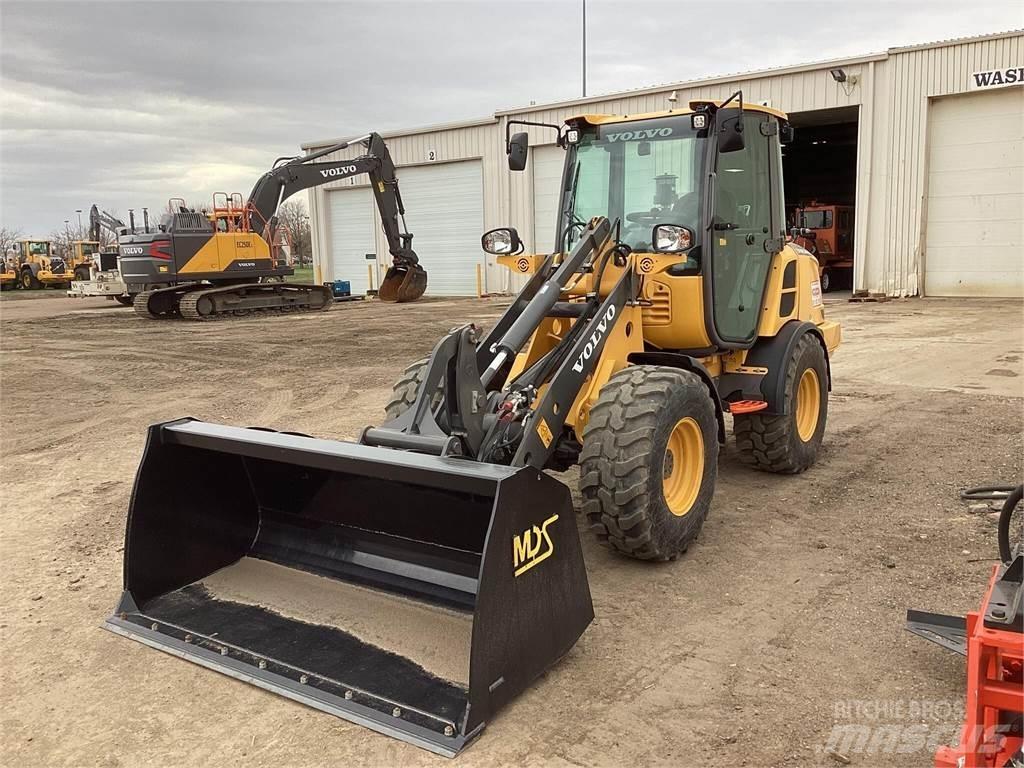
(584, 48)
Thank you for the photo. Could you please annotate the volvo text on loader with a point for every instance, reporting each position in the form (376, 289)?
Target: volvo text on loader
(418, 579)
(200, 266)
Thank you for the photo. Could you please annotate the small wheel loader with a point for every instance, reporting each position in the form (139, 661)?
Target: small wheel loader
(418, 579)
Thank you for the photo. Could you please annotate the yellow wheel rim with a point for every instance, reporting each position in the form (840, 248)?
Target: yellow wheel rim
(808, 405)
(683, 467)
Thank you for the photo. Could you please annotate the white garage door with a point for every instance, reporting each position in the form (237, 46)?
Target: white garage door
(974, 237)
(352, 228)
(547, 179)
(445, 212)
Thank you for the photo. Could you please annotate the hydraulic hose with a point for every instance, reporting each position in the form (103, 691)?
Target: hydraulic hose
(1003, 531)
(1011, 496)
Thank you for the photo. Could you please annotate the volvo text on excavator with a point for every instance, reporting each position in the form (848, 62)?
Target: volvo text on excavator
(199, 266)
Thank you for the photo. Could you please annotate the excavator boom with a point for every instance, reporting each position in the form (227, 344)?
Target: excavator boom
(406, 280)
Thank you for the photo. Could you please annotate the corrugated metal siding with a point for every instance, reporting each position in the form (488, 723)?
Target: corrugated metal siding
(893, 93)
(473, 142)
(892, 260)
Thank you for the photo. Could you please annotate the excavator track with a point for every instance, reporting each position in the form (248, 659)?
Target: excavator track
(160, 303)
(218, 303)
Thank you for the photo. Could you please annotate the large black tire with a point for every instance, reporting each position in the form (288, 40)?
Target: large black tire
(28, 280)
(627, 468)
(81, 274)
(125, 301)
(778, 443)
(403, 393)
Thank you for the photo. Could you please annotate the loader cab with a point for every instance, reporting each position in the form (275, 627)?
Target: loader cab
(715, 170)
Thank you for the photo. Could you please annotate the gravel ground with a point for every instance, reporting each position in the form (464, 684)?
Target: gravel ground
(783, 623)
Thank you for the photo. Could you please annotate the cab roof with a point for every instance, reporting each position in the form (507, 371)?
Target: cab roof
(605, 119)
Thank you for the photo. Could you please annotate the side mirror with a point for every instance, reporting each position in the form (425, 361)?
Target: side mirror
(785, 134)
(518, 147)
(730, 134)
(671, 238)
(503, 241)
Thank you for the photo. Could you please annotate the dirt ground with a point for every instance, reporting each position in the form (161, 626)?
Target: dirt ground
(783, 623)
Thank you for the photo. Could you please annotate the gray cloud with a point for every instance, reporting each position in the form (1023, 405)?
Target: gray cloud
(127, 104)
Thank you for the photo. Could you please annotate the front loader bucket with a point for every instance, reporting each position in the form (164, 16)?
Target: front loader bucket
(403, 283)
(412, 594)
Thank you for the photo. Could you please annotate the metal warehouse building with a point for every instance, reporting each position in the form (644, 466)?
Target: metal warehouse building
(926, 142)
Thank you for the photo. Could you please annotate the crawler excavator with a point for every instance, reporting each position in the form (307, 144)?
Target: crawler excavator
(189, 266)
(418, 579)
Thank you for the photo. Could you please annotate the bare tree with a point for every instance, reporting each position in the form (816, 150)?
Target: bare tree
(62, 237)
(8, 237)
(295, 221)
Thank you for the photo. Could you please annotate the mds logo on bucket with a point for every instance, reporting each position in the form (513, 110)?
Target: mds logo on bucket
(532, 546)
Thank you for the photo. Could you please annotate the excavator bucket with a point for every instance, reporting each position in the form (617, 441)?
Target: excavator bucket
(412, 594)
(403, 283)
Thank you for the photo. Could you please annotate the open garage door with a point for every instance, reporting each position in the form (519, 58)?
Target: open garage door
(974, 231)
(352, 225)
(445, 212)
(820, 175)
(547, 178)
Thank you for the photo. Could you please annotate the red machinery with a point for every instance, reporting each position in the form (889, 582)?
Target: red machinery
(992, 638)
(827, 232)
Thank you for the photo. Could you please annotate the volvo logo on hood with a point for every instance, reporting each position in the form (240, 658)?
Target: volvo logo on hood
(641, 134)
(132, 250)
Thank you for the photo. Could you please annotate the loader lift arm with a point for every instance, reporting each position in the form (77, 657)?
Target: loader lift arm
(291, 175)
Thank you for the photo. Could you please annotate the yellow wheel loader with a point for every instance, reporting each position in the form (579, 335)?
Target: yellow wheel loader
(418, 579)
(38, 267)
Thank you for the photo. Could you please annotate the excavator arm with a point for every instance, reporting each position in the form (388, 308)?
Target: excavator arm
(102, 220)
(291, 175)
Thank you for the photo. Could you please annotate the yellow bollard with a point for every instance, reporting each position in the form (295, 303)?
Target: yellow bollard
(479, 282)
(369, 277)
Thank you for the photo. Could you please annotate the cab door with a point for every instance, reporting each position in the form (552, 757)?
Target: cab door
(742, 235)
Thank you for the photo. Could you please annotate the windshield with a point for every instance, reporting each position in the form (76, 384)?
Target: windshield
(88, 249)
(641, 173)
(818, 219)
(39, 249)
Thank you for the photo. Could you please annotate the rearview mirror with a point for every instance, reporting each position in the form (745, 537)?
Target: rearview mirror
(503, 241)
(671, 238)
(730, 134)
(518, 147)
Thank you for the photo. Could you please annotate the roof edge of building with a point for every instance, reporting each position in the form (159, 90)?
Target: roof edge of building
(957, 41)
(491, 120)
(716, 80)
(757, 74)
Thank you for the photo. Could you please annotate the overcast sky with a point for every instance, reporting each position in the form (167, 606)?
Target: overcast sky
(127, 104)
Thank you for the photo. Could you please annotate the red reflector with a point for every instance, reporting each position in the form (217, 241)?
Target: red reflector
(747, 406)
(156, 253)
